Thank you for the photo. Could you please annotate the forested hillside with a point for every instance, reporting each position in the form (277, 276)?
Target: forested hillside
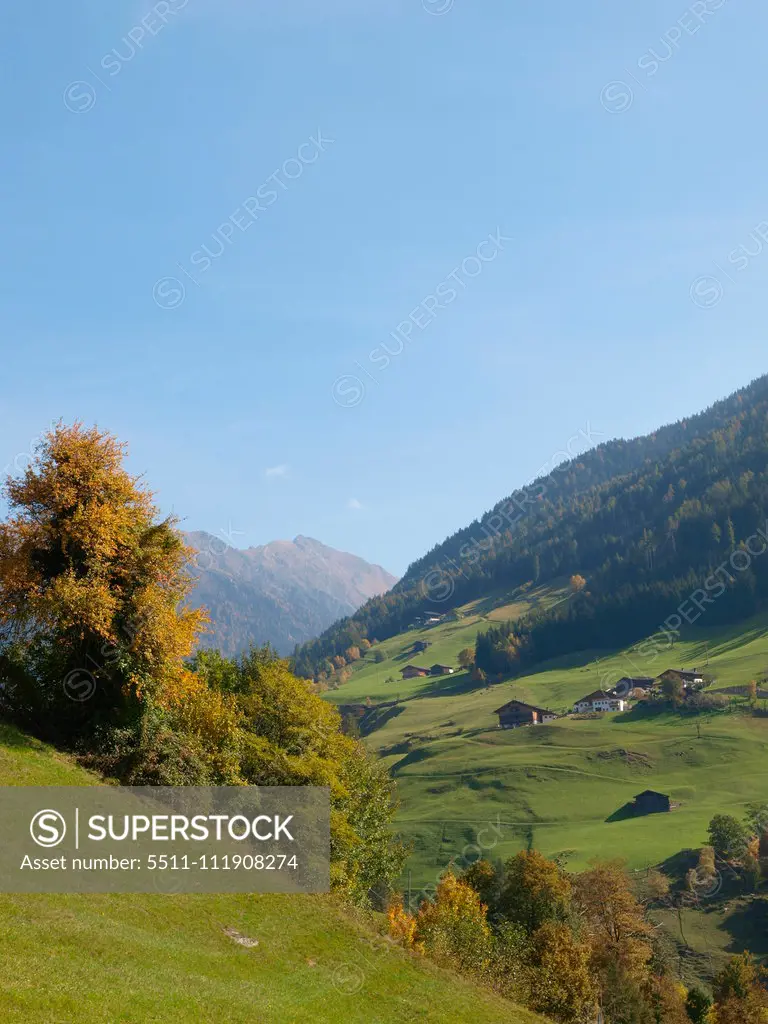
(644, 522)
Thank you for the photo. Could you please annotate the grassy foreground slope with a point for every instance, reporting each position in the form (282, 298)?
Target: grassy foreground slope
(559, 787)
(135, 959)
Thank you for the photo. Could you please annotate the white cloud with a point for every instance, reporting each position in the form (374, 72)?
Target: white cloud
(353, 503)
(273, 471)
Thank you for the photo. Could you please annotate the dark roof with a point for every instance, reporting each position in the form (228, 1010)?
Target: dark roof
(419, 668)
(651, 792)
(522, 704)
(438, 665)
(597, 695)
(637, 679)
(684, 673)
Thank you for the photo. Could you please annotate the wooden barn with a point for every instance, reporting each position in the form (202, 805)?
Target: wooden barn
(651, 802)
(515, 713)
(413, 672)
(627, 684)
(687, 678)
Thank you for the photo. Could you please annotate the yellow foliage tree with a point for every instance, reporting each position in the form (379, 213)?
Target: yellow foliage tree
(402, 925)
(561, 984)
(668, 999)
(452, 929)
(467, 657)
(740, 997)
(657, 885)
(614, 921)
(535, 890)
(93, 585)
(707, 867)
(212, 718)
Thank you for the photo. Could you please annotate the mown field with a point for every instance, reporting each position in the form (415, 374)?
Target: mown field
(169, 959)
(558, 786)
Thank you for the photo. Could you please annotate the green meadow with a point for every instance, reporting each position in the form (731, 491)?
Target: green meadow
(464, 784)
(135, 959)
(370, 679)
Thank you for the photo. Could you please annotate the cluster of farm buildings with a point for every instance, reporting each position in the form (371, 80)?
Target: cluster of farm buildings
(516, 713)
(417, 671)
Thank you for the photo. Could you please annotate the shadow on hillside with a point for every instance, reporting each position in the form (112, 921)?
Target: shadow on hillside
(11, 737)
(409, 654)
(450, 686)
(494, 601)
(686, 713)
(401, 747)
(741, 691)
(377, 717)
(644, 709)
(738, 641)
(576, 659)
(732, 885)
(630, 811)
(627, 811)
(748, 928)
(414, 757)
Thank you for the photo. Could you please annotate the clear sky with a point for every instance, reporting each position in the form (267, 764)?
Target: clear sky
(323, 184)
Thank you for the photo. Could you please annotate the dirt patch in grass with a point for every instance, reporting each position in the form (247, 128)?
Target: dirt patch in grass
(635, 759)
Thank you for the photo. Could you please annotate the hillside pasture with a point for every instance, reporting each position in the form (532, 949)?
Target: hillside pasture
(564, 787)
(446, 640)
(99, 959)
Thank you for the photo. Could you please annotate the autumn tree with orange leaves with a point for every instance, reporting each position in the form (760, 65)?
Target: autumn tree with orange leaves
(615, 920)
(561, 984)
(451, 929)
(92, 589)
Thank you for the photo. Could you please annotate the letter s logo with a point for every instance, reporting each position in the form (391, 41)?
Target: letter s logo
(48, 828)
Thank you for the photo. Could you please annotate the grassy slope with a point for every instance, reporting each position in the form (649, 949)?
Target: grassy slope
(462, 781)
(446, 640)
(108, 959)
(708, 937)
(554, 786)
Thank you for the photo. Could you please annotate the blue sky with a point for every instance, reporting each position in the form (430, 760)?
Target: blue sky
(616, 150)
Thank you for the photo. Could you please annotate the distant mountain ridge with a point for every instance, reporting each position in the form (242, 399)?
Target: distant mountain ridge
(284, 593)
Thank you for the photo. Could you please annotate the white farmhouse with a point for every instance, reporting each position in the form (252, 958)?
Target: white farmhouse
(599, 701)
